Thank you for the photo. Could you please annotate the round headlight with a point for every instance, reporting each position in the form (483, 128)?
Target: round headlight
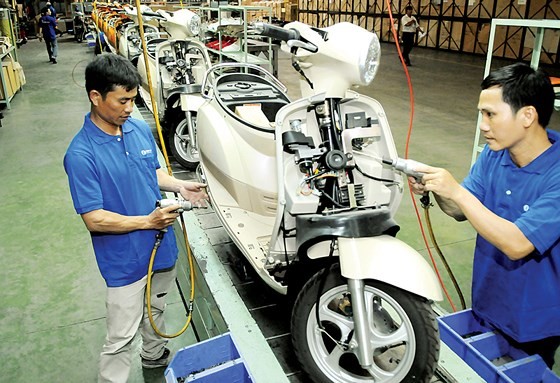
(368, 67)
(194, 25)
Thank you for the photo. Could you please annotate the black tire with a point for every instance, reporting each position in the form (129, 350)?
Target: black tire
(410, 357)
(180, 145)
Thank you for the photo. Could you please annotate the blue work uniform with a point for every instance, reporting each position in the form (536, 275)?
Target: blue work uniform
(118, 174)
(522, 297)
(48, 25)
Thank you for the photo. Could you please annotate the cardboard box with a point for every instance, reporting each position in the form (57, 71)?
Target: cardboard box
(13, 78)
(19, 74)
(9, 80)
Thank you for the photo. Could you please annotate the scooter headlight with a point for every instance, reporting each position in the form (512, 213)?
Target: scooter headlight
(370, 63)
(194, 25)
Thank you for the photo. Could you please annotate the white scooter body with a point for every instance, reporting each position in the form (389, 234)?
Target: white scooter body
(300, 185)
(253, 182)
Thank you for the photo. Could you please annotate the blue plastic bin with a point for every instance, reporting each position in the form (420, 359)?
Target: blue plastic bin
(479, 344)
(215, 360)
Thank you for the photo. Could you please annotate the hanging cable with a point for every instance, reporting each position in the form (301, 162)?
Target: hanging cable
(426, 204)
(409, 133)
(170, 171)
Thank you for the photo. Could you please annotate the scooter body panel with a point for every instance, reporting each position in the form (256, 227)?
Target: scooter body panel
(241, 159)
(249, 231)
(241, 155)
(388, 259)
(344, 52)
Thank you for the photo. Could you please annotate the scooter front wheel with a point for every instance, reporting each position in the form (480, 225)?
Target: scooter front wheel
(181, 147)
(403, 332)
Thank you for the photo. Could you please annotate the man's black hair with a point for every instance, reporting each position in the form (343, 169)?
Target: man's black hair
(107, 71)
(44, 11)
(408, 8)
(524, 86)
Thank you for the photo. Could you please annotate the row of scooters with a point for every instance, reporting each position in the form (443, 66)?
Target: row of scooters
(177, 62)
(305, 188)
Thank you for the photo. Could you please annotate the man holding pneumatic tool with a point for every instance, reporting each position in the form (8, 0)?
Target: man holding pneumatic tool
(512, 199)
(115, 181)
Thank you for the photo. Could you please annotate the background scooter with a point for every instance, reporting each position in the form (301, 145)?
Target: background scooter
(177, 66)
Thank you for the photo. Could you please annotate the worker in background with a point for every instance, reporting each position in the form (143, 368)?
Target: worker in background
(115, 181)
(409, 28)
(47, 23)
(512, 199)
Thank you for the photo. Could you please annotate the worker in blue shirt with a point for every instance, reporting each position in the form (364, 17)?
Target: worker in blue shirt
(115, 181)
(512, 199)
(48, 24)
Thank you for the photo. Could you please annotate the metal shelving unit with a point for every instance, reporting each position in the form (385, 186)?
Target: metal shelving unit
(541, 26)
(248, 45)
(7, 98)
(8, 26)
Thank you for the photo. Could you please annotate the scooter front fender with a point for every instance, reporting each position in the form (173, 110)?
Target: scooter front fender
(388, 259)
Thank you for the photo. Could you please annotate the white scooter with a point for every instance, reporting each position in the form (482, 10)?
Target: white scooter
(307, 191)
(177, 66)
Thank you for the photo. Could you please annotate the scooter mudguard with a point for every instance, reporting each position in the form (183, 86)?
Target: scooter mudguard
(388, 259)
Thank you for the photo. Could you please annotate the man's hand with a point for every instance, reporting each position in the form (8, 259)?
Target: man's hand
(195, 193)
(437, 180)
(161, 218)
(446, 189)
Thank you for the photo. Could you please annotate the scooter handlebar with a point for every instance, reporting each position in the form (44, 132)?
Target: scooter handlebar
(275, 32)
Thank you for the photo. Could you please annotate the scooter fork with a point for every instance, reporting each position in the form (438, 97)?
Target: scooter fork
(361, 324)
(192, 133)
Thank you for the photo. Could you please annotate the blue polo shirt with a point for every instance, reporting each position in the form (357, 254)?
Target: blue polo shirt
(118, 174)
(521, 298)
(48, 25)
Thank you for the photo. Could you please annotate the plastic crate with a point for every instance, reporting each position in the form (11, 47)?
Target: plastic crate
(479, 345)
(215, 360)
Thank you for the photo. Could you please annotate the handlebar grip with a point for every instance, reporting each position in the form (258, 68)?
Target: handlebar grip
(277, 33)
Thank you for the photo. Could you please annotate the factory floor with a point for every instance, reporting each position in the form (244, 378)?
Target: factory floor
(52, 323)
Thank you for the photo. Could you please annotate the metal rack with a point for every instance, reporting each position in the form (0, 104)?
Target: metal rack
(8, 28)
(250, 48)
(540, 25)
(7, 97)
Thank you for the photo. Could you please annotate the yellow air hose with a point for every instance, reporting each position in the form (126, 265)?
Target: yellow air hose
(160, 234)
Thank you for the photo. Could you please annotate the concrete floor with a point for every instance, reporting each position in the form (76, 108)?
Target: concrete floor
(52, 320)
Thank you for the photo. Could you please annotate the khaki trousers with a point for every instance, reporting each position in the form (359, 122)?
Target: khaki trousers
(126, 314)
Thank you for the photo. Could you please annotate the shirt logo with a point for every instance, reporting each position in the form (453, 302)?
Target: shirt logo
(146, 152)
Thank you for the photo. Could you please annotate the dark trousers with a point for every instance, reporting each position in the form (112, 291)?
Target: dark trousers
(546, 348)
(408, 43)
